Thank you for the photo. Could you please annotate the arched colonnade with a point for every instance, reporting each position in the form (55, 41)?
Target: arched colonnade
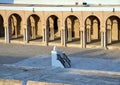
(65, 30)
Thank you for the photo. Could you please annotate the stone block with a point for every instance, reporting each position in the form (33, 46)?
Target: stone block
(2, 81)
(10, 82)
(43, 83)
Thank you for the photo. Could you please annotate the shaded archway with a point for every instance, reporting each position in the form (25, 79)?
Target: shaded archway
(53, 28)
(92, 29)
(72, 26)
(113, 29)
(34, 27)
(2, 32)
(15, 28)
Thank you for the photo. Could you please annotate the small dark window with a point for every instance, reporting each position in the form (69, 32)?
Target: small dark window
(84, 3)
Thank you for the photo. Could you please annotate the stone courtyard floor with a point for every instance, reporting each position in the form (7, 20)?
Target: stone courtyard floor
(89, 66)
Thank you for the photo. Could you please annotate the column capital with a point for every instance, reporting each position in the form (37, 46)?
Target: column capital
(25, 26)
(62, 28)
(103, 29)
(5, 25)
(44, 26)
(82, 28)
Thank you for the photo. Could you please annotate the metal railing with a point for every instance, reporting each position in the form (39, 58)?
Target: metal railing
(64, 60)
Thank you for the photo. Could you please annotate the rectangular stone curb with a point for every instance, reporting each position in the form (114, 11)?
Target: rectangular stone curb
(10, 82)
(43, 83)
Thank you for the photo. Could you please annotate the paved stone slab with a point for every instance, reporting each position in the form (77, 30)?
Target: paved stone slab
(76, 62)
(66, 76)
(32, 68)
(80, 78)
(6, 72)
(22, 73)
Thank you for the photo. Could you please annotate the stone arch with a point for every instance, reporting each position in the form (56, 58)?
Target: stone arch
(113, 29)
(15, 28)
(72, 26)
(34, 26)
(2, 32)
(92, 28)
(53, 25)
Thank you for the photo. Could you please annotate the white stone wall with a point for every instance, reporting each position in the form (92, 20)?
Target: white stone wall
(61, 2)
(117, 8)
(102, 1)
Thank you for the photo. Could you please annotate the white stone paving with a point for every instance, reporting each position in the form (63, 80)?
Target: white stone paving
(94, 71)
(76, 62)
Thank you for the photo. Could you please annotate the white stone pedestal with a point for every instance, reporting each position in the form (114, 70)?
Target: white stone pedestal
(55, 61)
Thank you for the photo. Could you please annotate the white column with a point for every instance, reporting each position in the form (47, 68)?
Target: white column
(110, 36)
(89, 35)
(46, 37)
(102, 39)
(63, 37)
(84, 39)
(7, 35)
(26, 36)
(81, 38)
(105, 43)
(43, 34)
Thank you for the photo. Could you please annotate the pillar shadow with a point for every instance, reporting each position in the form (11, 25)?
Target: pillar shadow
(56, 39)
(114, 42)
(39, 37)
(93, 41)
(74, 40)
